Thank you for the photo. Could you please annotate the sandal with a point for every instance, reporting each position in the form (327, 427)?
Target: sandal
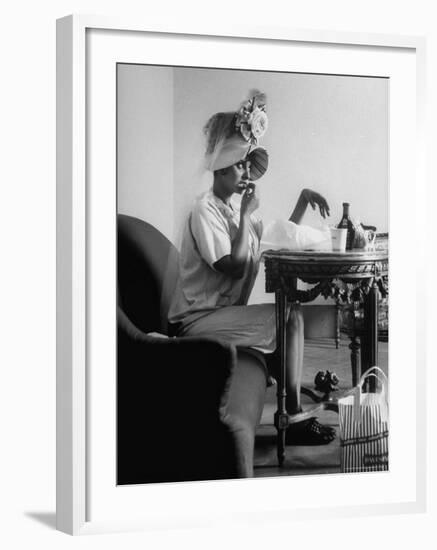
(309, 432)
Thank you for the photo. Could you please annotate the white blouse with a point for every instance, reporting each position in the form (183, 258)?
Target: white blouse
(208, 235)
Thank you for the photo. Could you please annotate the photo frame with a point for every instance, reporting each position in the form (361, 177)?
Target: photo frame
(87, 51)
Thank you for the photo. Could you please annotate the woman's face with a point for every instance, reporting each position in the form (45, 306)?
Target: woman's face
(235, 178)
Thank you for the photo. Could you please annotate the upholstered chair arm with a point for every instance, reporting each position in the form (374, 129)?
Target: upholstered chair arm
(202, 366)
(173, 391)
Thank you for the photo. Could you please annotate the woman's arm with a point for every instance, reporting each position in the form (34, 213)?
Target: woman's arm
(234, 263)
(306, 197)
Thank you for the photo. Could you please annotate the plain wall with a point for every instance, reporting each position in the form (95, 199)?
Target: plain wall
(145, 144)
(328, 133)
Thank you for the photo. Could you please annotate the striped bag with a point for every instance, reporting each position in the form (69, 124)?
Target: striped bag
(363, 420)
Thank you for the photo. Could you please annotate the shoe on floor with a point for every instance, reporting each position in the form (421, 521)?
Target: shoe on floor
(309, 432)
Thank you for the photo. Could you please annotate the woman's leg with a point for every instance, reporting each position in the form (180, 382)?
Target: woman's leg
(295, 347)
(308, 432)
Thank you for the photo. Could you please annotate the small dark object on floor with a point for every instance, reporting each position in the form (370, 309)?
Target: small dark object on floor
(326, 382)
(309, 432)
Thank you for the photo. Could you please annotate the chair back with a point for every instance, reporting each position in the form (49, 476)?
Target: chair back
(147, 271)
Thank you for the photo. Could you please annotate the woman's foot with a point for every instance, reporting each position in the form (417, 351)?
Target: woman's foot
(309, 432)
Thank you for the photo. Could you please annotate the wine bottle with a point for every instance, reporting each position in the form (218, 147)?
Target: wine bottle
(346, 223)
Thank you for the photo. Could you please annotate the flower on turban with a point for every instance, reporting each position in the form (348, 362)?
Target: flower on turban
(231, 135)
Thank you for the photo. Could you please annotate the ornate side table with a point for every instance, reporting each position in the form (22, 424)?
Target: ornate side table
(351, 276)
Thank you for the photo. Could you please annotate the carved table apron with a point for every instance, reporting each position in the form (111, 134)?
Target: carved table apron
(346, 276)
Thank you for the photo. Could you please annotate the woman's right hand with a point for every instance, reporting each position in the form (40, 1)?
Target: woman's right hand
(234, 264)
(249, 200)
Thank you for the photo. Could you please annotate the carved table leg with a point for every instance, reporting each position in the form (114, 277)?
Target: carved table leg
(371, 334)
(337, 325)
(281, 416)
(354, 346)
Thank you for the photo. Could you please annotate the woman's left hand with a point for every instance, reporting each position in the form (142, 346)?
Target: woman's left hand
(315, 199)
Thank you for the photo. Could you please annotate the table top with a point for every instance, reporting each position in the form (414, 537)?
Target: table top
(315, 266)
(355, 255)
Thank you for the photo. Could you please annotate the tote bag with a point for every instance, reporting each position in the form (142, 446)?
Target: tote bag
(364, 427)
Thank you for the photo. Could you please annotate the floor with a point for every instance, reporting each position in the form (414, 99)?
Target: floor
(303, 460)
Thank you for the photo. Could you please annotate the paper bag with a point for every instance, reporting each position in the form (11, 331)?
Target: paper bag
(364, 428)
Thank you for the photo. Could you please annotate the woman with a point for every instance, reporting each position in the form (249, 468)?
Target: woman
(220, 258)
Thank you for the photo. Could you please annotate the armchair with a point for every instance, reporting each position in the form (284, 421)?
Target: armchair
(187, 408)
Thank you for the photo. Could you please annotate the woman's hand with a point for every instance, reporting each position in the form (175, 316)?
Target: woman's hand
(250, 200)
(315, 199)
(234, 264)
(306, 197)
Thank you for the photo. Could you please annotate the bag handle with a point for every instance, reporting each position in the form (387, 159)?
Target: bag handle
(372, 372)
(364, 376)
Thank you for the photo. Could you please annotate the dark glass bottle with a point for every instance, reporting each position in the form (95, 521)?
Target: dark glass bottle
(346, 223)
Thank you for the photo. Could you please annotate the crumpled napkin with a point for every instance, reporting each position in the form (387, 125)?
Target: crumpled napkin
(282, 234)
